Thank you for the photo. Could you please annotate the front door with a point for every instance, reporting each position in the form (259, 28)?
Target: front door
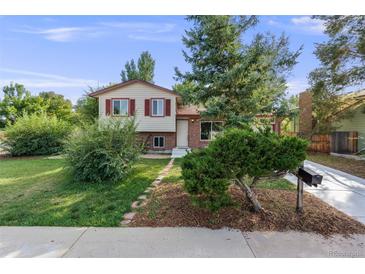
(182, 133)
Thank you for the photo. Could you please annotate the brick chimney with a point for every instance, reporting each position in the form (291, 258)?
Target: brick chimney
(305, 114)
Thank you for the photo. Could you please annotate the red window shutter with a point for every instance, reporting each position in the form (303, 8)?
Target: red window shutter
(168, 107)
(147, 107)
(132, 107)
(107, 106)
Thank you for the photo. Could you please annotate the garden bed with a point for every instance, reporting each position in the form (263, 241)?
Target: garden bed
(170, 206)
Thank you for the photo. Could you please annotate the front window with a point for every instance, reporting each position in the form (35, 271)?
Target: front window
(157, 107)
(120, 107)
(158, 141)
(208, 129)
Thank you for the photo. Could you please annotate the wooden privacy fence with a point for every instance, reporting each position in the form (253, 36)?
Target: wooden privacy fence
(338, 142)
(320, 143)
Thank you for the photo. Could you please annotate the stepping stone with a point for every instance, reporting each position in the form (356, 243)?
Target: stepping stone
(148, 190)
(125, 222)
(135, 205)
(156, 183)
(129, 215)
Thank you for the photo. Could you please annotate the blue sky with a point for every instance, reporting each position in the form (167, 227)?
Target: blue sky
(66, 54)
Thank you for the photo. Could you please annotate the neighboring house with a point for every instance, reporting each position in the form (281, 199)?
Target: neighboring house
(163, 122)
(348, 135)
(356, 123)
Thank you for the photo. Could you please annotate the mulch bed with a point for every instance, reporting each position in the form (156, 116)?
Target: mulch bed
(170, 206)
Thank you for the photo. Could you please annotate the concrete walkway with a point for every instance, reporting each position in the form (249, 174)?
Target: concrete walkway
(171, 242)
(339, 189)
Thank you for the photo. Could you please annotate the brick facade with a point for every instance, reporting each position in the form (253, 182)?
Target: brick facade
(147, 138)
(194, 134)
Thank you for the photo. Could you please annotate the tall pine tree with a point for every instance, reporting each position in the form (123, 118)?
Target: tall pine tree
(342, 59)
(233, 80)
(144, 70)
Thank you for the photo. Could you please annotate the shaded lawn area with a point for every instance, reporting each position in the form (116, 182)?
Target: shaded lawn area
(38, 191)
(351, 166)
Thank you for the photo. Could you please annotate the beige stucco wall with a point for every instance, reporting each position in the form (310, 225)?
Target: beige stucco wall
(356, 123)
(140, 92)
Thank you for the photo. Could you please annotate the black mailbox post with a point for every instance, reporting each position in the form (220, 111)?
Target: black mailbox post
(310, 178)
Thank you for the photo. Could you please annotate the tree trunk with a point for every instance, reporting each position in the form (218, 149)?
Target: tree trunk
(249, 194)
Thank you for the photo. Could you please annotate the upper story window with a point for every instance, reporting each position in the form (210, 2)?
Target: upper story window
(208, 129)
(157, 107)
(120, 107)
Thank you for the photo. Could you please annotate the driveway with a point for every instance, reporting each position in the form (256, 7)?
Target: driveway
(339, 189)
(91, 242)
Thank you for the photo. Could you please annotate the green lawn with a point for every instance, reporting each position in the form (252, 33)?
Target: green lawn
(40, 192)
(174, 176)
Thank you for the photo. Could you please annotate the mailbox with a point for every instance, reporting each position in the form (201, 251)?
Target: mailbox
(309, 177)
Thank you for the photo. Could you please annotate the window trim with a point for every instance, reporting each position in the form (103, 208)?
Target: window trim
(211, 129)
(163, 107)
(153, 141)
(112, 108)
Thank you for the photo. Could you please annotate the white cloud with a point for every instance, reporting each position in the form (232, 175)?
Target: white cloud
(144, 27)
(154, 38)
(273, 23)
(33, 79)
(64, 34)
(308, 24)
(146, 31)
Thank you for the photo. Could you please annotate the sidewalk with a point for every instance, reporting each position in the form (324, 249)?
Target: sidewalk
(339, 189)
(171, 242)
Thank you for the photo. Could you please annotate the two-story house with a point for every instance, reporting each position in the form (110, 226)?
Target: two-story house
(163, 122)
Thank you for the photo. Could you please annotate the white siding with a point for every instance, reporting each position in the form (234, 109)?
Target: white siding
(140, 92)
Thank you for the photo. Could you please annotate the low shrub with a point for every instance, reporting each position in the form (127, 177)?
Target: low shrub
(204, 178)
(244, 157)
(36, 134)
(103, 151)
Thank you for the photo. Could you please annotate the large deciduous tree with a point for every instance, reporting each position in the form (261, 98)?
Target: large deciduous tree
(144, 70)
(16, 101)
(56, 105)
(232, 79)
(87, 107)
(342, 59)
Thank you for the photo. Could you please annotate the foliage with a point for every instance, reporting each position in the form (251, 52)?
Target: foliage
(17, 101)
(56, 105)
(103, 151)
(342, 65)
(244, 156)
(143, 71)
(232, 79)
(87, 108)
(204, 179)
(36, 134)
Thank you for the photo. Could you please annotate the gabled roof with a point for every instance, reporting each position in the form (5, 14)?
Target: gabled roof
(128, 83)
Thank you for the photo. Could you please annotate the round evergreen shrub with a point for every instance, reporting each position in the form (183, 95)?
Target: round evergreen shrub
(243, 157)
(36, 134)
(104, 151)
(205, 179)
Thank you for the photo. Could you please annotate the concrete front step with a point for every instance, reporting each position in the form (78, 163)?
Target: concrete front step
(179, 152)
